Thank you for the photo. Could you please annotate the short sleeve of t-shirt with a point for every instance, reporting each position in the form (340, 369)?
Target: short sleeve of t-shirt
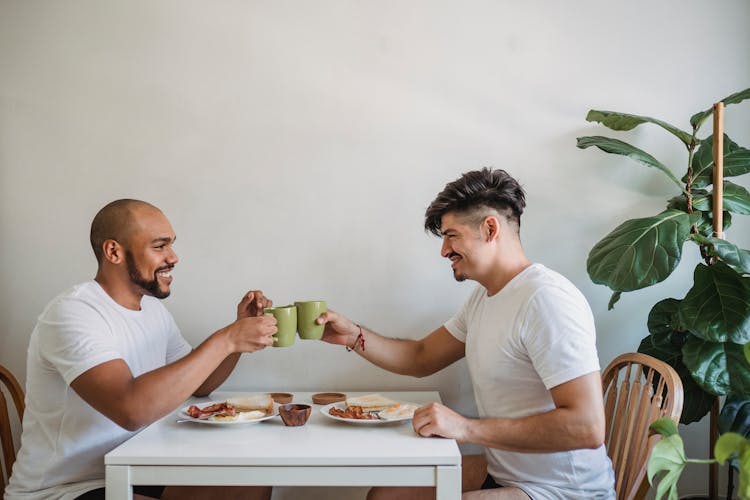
(177, 346)
(73, 337)
(559, 335)
(458, 324)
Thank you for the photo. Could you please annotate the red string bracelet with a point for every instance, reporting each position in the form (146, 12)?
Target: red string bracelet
(359, 340)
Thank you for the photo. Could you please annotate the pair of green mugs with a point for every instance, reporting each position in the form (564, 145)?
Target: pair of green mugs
(299, 317)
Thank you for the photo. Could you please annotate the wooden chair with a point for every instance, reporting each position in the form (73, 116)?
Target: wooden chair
(638, 389)
(13, 388)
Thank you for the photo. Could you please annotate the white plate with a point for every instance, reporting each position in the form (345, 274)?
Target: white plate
(342, 406)
(184, 416)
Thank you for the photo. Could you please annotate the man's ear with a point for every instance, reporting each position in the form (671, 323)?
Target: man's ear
(113, 251)
(491, 227)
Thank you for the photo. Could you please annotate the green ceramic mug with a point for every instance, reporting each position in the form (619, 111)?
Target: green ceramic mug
(307, 313)
(286, 322)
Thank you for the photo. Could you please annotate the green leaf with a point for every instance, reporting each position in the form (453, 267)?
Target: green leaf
(746, 350)
(735, 415)
(727, 445)
(664, 426)
(624, 121)
(706, 224)
(736, 161)
(719, 368)
(735, 257)
(696, 402)
(735, 199)
(618, 147)
(701, 204)
(665, 343)
(743, 489)
(668, 458)
(717, 308)
(663, 320)
(640, 252)
(735, 98)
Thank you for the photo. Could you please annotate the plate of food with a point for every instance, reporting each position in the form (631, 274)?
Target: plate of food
(246, 409)
(370, 409)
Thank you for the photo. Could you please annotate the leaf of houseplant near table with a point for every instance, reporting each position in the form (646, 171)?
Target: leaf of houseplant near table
(701, 335)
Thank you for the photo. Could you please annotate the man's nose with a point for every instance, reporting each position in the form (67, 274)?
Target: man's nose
(172, 258)
(446, 250)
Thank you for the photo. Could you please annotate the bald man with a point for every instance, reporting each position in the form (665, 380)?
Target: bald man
(106, 359)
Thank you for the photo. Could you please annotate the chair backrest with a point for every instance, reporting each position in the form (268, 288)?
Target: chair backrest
(11, 385)
(638, 389)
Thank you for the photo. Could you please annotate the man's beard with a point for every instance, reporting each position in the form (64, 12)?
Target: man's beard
(456, 274)
(151, 287)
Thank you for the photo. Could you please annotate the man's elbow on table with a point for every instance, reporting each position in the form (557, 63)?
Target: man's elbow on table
(130, 414)
(131, 419)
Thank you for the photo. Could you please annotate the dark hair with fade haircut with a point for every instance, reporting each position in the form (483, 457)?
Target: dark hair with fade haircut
(473, 194)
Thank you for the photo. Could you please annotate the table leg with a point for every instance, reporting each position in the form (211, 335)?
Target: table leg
(448, 482)
(117, 483)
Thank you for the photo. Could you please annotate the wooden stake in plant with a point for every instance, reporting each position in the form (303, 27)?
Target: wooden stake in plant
(718, 217)
(718, 206)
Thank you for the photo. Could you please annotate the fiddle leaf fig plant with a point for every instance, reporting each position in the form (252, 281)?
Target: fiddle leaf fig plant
(703, 334)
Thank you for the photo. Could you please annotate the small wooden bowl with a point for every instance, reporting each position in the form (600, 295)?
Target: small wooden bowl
(294, 414)
(326, 398)
(281, 397)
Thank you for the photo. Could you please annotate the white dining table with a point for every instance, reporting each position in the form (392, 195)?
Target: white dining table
(323, 452)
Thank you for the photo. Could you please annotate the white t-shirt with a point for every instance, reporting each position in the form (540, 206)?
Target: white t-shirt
(64, 440)
(534, 334)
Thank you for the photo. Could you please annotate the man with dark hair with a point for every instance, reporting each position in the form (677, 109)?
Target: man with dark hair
(529, 339)
(106, 359)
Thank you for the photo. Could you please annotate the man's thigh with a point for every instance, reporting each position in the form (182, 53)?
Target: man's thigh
(474, 474)
(504, 493)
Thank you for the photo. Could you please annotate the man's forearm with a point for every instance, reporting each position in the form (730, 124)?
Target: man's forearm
(395, 355)
(417, 358)
(180, 379)
(218, 376)
(557, 430)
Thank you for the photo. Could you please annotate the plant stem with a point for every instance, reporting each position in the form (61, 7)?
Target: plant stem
(689, 189)
(701, 461)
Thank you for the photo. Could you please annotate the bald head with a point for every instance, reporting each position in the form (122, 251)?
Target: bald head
(116, 221)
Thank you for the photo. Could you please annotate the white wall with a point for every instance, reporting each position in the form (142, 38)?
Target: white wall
(295, 145)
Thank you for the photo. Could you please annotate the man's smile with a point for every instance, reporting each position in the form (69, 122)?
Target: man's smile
(454, 258)
(165, 274)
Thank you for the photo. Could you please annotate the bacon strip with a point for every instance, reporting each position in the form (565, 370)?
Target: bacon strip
(206, 412)
(352, 412)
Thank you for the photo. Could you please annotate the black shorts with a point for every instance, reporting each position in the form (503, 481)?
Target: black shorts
(148, 491)
(489, 483)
